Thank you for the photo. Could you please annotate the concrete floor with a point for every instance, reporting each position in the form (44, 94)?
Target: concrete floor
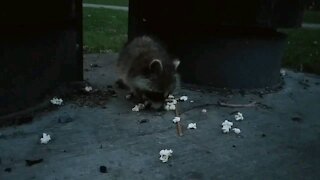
(280, 140)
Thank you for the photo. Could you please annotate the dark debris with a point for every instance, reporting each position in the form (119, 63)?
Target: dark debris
(143, 121)
(103, 169)
(7, 169)
(296, 119)
(93, 65)
(33, 162)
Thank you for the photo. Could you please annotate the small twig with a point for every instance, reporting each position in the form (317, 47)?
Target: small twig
(198, 107)
(252, 104)
(178, 125)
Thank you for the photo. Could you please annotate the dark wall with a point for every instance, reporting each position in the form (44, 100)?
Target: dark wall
(40, 48)
(223, 43)
(205, 16)
(313, 5)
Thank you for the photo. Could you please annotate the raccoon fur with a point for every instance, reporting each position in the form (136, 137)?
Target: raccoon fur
(146, 68)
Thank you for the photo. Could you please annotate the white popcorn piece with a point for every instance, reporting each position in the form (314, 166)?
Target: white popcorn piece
(170, 103)
(170, 107)
(192, 126)
(283, 72)
(88, 88)
(173, 102)
(226, 129)
(226, 126)
(135, 108)
(141, 106)
(183, 98)
(138, 107)
(227, 123)
(238, 116)
(165, 154)
(176, 119)
(236, 130)
(203, 110)
(45, 138)
(56, 101)
(191, 101)
(167, 107)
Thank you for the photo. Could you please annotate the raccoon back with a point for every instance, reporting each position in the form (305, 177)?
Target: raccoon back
(138, 54)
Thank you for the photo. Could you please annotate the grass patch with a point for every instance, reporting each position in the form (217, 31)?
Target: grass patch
(104, 30)
(303, 48)
(108, 2)
(312, 17)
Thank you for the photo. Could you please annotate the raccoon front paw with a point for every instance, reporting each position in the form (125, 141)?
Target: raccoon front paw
(134, 97)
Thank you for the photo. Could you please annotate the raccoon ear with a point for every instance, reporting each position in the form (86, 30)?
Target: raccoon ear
(176, 63)
(156, 66)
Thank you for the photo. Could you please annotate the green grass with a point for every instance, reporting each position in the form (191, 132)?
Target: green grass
(303, 48)
(312, 17)
(108, 2)
(104, 30)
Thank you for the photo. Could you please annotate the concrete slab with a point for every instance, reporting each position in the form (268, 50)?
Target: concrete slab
(279, 139)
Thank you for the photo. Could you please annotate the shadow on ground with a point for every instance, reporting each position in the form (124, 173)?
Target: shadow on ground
(279, 140)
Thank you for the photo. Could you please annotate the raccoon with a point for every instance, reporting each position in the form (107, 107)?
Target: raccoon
(146, 68)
